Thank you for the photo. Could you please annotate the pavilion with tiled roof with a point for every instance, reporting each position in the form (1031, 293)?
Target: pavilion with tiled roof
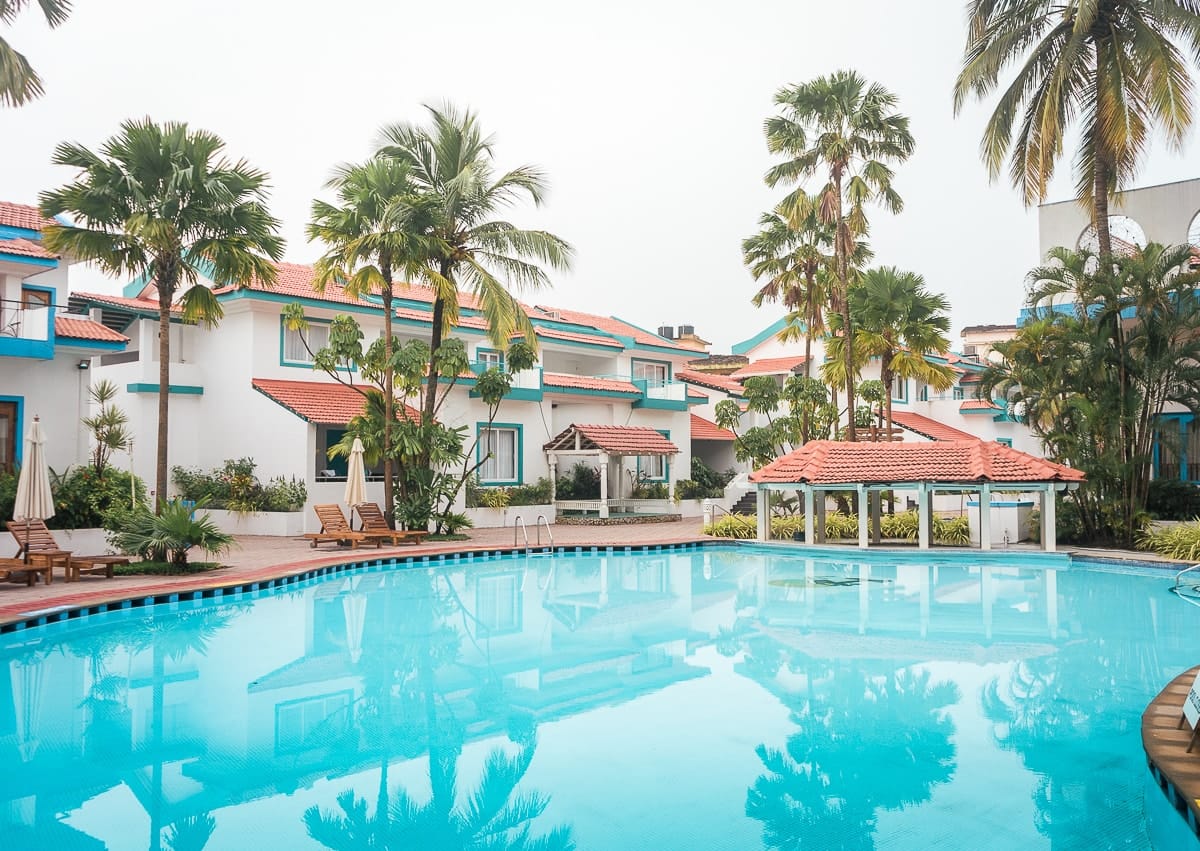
(606, 443)
(959, 466)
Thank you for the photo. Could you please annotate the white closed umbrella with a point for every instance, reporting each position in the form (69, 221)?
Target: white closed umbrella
(356, 477)
(34, 501)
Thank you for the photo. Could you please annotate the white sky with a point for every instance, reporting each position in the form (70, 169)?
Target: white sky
(647, 117)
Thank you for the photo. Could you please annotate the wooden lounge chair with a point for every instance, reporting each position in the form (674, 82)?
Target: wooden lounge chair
(334, 528)
(32, 535)
(10, 567)
(374, 526)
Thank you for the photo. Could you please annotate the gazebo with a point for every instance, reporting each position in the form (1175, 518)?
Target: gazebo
(956, 466)
(606, 443)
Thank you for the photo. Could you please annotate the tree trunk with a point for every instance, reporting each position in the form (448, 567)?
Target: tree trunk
(885, 373)
(164, 392)
(389, 400)
(435, 342)
(842, 252)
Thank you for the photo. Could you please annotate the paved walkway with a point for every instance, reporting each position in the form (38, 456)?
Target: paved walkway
(261, 558)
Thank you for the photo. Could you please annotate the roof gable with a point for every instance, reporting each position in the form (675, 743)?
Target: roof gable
(616, 440)
(927, 427)
(319, 402)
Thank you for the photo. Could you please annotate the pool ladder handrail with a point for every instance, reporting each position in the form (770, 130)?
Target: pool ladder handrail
(1180, 574)
(519, 525)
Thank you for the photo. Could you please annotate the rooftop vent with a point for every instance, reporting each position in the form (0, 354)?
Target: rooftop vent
(687, 330)
(667, 331)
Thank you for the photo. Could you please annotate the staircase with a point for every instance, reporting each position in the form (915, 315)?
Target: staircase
(748, 504)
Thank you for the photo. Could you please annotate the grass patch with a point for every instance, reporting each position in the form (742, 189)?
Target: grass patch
(164, 568)
(455, 537)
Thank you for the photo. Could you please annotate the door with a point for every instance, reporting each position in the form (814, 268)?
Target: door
(8, 435)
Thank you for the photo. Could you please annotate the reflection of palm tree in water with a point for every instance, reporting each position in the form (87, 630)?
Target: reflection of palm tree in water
(867, 742)
(402, 702)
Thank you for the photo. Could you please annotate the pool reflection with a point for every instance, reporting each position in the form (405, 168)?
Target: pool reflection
(404, 707)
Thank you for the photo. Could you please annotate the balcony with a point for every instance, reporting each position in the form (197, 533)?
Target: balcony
(661, 395)
(526, 384)
(26, 332)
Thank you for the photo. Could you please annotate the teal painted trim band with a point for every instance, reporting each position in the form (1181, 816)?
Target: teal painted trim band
(98, 345)
(20, 441)
(518, 449)
(13, 232)
(12, 347)
(762, 336)
(1021, 503)
(180, 389)
(580, 391)
(41, 262)
(517, 394)
(661, 404)
(971, 412)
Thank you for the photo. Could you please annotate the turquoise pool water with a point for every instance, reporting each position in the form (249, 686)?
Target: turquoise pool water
(723, 698)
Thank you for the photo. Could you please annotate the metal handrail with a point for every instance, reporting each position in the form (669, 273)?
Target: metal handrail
(519, 523)
(1182, 572)
(541, 519)
(729, 513)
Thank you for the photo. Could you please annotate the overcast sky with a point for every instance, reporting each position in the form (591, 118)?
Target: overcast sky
(646, 116)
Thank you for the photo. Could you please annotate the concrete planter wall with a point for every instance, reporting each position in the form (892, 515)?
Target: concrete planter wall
(488, 518)
(90, 542)
(276, 524)
(1009, 517)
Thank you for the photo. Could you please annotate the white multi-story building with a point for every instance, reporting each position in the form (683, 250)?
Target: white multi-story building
(45, 355)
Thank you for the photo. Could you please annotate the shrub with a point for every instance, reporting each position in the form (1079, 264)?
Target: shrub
(478, 496)
(705, 483)
(169, 535)
(650, 490)
(733, 526)
(537, 493)
(8, 492)
(1171, 499)
(906, 525)
(1180, 542)
(82, 497)
(582, 482)
(234, 487)
(494, 497)
(955, 531)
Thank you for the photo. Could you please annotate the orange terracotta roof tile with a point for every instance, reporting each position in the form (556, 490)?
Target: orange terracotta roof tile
(770, 366)
(616, 440)
(23, 216)
(608, 324)
(712, 382)
(927, 427)
(979, 405)
(702, 429)
(25, 248)
(586, 382)
(956, 461)
(319, 402)
(85, 329)
(143, 304)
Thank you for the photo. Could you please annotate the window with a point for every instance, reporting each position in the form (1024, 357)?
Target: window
(497, 604)
(959, 395)
(311, 722)
(35, 298)
(971, 351)
(500, 450)
(654, 468)
(489, 359)
(923, 392)
(1005, 441)
(899, 389)
(652, 371)
(295, 353)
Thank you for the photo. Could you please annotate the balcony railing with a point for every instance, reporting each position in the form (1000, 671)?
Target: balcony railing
(526, 379)
(25, 323)
(667, 391)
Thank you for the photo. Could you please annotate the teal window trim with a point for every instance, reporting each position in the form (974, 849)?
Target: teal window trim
(518, 451)
(283, 331)
(903, 394)
(633, 364)
(923, 393)
(482, 350)
(177, 389)
(959, 394)
(1004, 441)
(666, 473)
(19, 438)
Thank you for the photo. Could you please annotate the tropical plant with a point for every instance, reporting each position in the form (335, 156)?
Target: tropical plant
(168, 535)
(1114, 67)
(374, 232)
(19, 83)
(450, 167)
(82, 496)
(160, 203)
(847, 130)
(1179, 542)
(108, 425)
(899, 321)
(1092, 385)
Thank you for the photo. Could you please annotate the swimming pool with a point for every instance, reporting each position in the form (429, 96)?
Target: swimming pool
(710, 697)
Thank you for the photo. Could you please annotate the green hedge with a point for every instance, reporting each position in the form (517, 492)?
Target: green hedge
(1181, 542)
(838, 526)
(81, 496)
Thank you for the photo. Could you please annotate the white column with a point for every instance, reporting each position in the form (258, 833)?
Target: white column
(819, 533)
(553, 477)
(924, 522)
(762, 506)
(1049, 521)
(985, 517)
(604, 485)
(810, 510)
(864, 517)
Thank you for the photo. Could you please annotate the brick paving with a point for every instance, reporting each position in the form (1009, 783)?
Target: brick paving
(258, 558)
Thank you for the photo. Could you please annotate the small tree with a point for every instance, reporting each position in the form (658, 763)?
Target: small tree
(108, 425)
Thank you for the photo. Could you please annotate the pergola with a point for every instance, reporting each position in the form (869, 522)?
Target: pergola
(955, 466)
(604, 442)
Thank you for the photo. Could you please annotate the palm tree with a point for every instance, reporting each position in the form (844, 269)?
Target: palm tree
(162, 203)
(373, 232)
(849, 131)
(791, 251)
(1114, 65)
(19, 83)
(900, 322)
(451, 162)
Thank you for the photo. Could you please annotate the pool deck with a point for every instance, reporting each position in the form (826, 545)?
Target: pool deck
(258, 558)
(1165, 742)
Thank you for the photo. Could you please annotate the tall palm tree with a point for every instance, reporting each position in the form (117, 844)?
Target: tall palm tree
(791, 252)
(451, 162)
(898, 320)
(160, 202)
(19, 83)
(1113, 65)
(846, 129)
(374, 231)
